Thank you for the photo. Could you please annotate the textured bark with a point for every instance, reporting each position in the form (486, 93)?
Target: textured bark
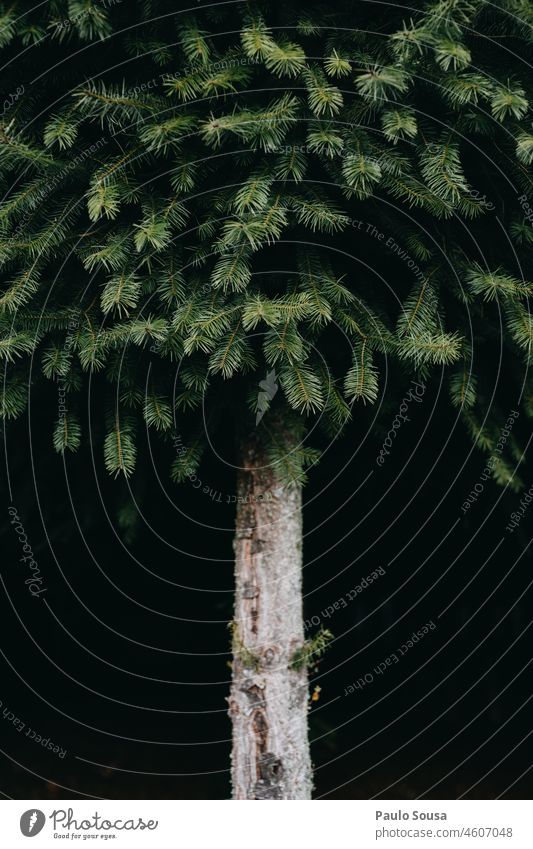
(269, 699)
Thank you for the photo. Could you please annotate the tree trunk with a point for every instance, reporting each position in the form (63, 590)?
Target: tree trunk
(268, 703)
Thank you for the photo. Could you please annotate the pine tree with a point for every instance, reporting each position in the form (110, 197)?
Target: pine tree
(201, 194)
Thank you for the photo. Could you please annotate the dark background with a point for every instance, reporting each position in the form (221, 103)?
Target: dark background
(126, 664)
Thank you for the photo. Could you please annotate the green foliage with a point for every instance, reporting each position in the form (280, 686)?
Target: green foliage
(451, 55)
(121, 294)
(497, 284)
(233, 270)
(303, 388)
(520, 326)
(361, 174)
(325, 141)
(194, 42)
(291, 165)
(467, 88)
(317, 214)
(55, 362)
(240, 651)
(19, 290)
(256, 38)
(103, 200)
(325, 100)
(62, 130)
(157, 412)
(312, 650)
(89, 18)
(13, 345)
(509, 102)
(199, 210)
(13, 398)
(120, 452)
(8, 27)
(441, 168)
(337, 65)
(382, 83)
(285, 59)
(463, 386)
(431, 348)
(398, 124)
(524, 148)
(67, 433)
(186, 462)
(361, 382)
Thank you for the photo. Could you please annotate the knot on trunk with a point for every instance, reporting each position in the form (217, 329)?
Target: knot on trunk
(268, 656)
(254, 693)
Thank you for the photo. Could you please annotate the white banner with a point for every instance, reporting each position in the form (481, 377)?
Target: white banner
(267, 825)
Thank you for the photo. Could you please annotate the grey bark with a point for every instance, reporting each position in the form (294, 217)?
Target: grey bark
(268, 703)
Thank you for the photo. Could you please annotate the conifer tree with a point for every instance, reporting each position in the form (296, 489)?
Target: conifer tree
(194, 211)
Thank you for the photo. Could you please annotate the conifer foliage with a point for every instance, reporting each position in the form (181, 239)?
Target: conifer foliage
(186, 189)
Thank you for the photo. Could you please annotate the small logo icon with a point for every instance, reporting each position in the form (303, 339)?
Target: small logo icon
(32, 822)
(268, 388)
